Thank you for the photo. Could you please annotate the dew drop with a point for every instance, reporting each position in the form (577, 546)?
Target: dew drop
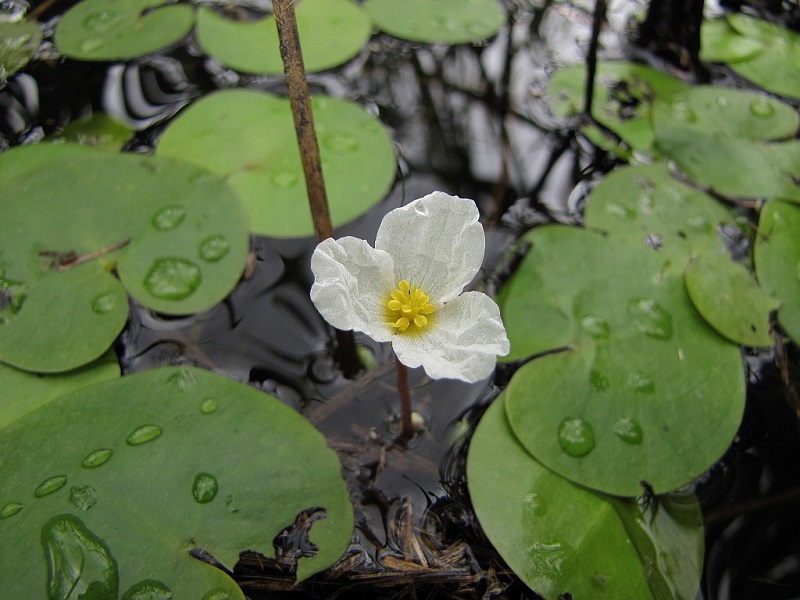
(651, 318)
(143, 434)
(628, 430)
(598, 381)
(700, 223)
(168, 218)
(204, 488)
(149, 589)
(533, 505)
(83, 497)
(722, 102)
(182, 380)
(104, 303)
(641, 382)
(285, 179)
(208, 406)
(623, 212)
(103, 20)
(172, 278)
(50, 485)
(340, 143)
(90, 45)
(681, 110)
(214, 247)
(96, 458)
(762, 107)
(596, 326)
(218, 594)
(576, 437)
(79, 563)
(547, 559)
(9, 510)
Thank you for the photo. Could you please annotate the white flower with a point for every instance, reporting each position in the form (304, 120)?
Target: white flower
(408, 289)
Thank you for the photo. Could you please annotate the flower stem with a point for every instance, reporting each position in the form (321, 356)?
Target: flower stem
(406, 424)
(300, 100)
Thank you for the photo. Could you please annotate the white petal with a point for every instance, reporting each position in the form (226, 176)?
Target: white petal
(436, 243)
(463, 341)
(352, 282)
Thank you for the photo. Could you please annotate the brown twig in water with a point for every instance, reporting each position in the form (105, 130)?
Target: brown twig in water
(66, 260)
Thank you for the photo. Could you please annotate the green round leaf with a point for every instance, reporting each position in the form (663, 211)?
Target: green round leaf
(249, 138)
(121, 29)
(18, 43)
(598, 548)
(722, 138)
(175, 234)
(331, 33)
(443, 21)
(623, 97)
(107, 490)
(645, 390)
(727, 295)
(24, 392)
(721, 43)
(96, 129)
(777, 260)
(645, 204)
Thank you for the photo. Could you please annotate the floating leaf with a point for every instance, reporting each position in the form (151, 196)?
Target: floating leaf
(331, 32)
(721, 43)
(24, 392)
(719, 138)
(175, 234)
(443, 21)
(597, 548)
(249, 138)
(96, 129)
(727, 295)
(644, 389)
(18, 43)
(777, 260)
(624, 94)
(127, 477)
(645, 204)
(121, 29)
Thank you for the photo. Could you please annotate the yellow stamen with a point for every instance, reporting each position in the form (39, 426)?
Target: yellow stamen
(407, 308)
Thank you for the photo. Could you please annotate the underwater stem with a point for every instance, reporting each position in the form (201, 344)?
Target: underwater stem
(406, 424)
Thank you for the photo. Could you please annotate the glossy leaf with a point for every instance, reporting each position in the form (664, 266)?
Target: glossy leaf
(777, 260)
(18, 43)
(174, 233)
(643, 390)
(721, 43)
(121, 29)
(248, 137)
(128, 477)
(726, 139)
(562, 538)
(96, 129)
(331, 33)
(727, 295)
(443, 21)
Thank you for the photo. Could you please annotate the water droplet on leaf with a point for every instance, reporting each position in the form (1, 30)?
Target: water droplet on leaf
(598, 381)
(172, 278)
(149, 589)
(9, 510)
(681, 110)
(216, 595)
(103, 20)
(50, 485)
(204, 488)
(762, 107)
(340, 143)
(650, 318)
(83, 497)
(143, 434)
(533, 505)
(182, 380)
(169, 218)
(208, 406)
(214, 247)
(641, 382)
(104, 303)
(90, 45)
(628, 430)
(96, 458)
(547, 558)
(596, 326)
(285, 179)
(618, 210)
(576, 437)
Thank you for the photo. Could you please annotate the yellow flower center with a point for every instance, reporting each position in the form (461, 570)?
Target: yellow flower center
(408, 307)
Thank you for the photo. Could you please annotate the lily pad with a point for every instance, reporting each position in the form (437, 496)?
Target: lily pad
(777, 260)
(174, 233)
(728, 140)
(598, 548)
(24, 392)
(248, 137)
(624, 94)
(644, 204)
(96, 129)
(727, 295)
(108, 490)
(331, 33)
(443, 21)
(721, 43)
(18, 43)
(644, 389)
(121, 29)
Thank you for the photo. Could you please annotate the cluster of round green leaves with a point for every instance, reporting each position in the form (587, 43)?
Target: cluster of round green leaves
(105, 493)
(332, 31)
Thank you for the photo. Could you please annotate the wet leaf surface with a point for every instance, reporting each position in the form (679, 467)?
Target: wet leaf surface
(174, 233)
(18, 43)
(248, 137)
(129, 476)
(599, 548)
